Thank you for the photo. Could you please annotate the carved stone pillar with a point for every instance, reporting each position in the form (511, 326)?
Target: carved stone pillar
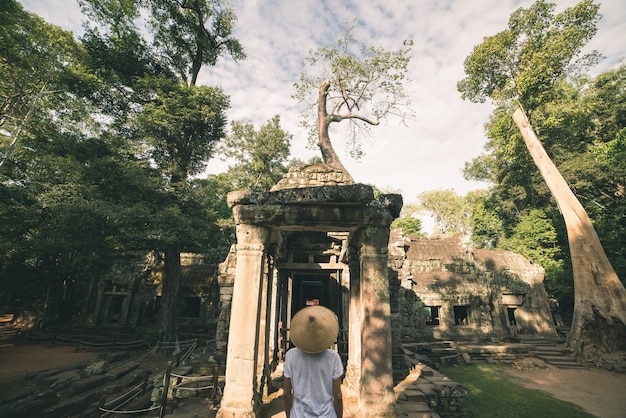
(376, 398)
(352, 381)
(239, 391)
(226, 280)
(262, 371)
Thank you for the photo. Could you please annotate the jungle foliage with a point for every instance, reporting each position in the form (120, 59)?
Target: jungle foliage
(103, 141)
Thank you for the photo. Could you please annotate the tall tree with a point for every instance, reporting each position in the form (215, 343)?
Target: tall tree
(520, 67)
(260, 156)
(45, 196)
(410, 225)
(176, 122)
(362, 85)
(190, 34)
(451, 212)
(486, 223)
(35, 59)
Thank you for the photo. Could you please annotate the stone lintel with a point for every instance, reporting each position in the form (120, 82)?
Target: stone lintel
(355, 194)
(313, 208)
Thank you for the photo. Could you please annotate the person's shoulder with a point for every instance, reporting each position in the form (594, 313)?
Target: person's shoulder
(331, 353)
(293, 352)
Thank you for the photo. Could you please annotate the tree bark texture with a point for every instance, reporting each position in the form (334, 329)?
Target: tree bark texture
(170, 296)
(598, 331)
(329, 155)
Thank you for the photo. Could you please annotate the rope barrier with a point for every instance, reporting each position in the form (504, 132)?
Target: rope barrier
(107, 408)
(42, 338)
(138, 411)
(87, 343)
(191, 378)
(186, 388)
(64, 343)
(71, 340)
(56, 339)
(124, 395)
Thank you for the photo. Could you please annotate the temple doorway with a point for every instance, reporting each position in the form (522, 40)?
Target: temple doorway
(321, 288)
(315, 289)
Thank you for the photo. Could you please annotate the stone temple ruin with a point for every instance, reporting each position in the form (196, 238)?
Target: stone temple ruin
(314, 239)
(451, 292)
(318, 239)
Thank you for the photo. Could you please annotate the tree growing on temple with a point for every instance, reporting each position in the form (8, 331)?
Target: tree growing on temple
(519, 69)
(362, 85)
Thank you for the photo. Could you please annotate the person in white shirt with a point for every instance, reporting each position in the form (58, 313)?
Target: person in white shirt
(312, 372)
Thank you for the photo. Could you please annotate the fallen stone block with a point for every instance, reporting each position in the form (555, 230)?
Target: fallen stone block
(30, 406)
(416, 407)
(97, 368)
(71, 406)
(415, 395)
(62, 380)
(122, 370)
(135, 377)
(84, 385)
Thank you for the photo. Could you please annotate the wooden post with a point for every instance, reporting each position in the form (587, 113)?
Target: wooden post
(166, 388)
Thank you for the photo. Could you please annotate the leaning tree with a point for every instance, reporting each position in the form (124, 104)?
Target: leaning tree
(519, 67)
(361, 84)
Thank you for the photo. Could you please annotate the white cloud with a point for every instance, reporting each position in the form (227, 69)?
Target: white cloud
(431, 151)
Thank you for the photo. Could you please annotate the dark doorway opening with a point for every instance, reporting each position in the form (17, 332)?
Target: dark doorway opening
(191, 307)
(461, 315)
(318, 288)
(314, 289)
(432, 315)
(114, 311)
(511, 314)
(512, 321)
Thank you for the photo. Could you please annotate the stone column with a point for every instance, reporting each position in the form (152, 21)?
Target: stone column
(376, 397)
(273, 325)
(226, 280)
(239, 397)
(262, 345)
(353, 367)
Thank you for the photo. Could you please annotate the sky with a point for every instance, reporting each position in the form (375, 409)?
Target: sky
(428, 153)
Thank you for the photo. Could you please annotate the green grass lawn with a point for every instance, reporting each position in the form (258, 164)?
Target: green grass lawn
(493, 395)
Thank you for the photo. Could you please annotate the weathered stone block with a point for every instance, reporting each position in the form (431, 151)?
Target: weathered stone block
(122, 370)
(85, 384)
(70, 406)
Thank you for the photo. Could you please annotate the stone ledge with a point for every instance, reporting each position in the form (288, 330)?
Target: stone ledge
(427, 388)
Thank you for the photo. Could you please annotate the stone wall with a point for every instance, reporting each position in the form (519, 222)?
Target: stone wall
(475, 294)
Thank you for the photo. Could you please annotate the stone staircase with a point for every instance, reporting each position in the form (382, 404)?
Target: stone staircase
(552, 351)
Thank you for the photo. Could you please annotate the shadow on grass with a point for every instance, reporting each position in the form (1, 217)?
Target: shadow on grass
(493, 395)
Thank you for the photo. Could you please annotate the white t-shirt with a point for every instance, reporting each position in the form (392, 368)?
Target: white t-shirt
(312, 378)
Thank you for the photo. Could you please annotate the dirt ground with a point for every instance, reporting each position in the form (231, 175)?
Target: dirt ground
(15, 361)
(600, 392)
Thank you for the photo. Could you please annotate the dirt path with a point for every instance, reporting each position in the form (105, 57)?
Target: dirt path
(598, 391)
(17, 361)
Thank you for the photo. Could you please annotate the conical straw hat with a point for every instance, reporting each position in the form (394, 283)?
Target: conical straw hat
(314, 329)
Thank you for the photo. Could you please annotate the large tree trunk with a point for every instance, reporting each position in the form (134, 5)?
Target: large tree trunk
(598, 331)
(170, 295)
(324, 120)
